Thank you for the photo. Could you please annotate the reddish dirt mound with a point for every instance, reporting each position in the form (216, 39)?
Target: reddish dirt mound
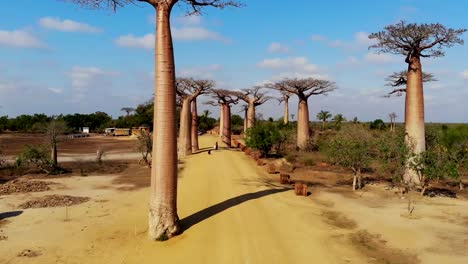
(54, 201)
(23, 186)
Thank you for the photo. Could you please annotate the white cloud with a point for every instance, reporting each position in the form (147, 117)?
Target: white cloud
(196, 33)
(66, 25)
(350, 61)
(361, 40)
(19, 39)
(85, 78)
(207, 72)
(189, 20)
(182, 34)
(292, 67)
(277, 47)
(131, 41)
(433, 86)
(464, 74)
(300, 64)
(55, 90)
(381, 58)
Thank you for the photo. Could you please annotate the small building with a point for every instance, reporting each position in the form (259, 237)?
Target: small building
(85, 130)
(121, 132)
(136, 131)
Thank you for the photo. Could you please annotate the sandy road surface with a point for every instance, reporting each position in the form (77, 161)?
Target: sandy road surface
(230, 216)
(232, 212)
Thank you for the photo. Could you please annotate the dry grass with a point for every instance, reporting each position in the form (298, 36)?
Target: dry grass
(377, 251)
(339, 220)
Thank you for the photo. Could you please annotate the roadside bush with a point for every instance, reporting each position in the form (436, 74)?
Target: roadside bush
(38, 157)
(351, 149)
(377, 124)
(445, 156)
(392, 154)
(145, 146)
(263, 137)
(435, 164)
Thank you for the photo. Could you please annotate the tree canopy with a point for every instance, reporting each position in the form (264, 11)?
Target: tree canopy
(303, 88)
(411, 39)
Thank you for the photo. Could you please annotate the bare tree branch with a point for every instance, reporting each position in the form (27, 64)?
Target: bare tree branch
(254, 96)
(195, 6)
(413, 39)
(189, 87)
(226, 96)
(303, 88)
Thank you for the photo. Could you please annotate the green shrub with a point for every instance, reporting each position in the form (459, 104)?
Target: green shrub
(351, 149)
(263, 137)
(39, 157)
(392, 153)
(377, 124)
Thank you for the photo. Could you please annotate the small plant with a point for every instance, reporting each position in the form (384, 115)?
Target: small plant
(99, 154)
(351, 149)
(145, 146)
(40, 158)
(434, 164)
(263, 137)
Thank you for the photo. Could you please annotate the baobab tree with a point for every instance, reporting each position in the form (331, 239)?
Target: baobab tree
(225, 99)
(245, 109)
(398, 79)
(303, 88)
(415, 41)
(392, 117)
(163, 218)
(285, 99)
(323, 116)
(253, 97)
(53, 130)
(188, 89)
(127, 110)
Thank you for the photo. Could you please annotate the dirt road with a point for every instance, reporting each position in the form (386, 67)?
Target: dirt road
(231, 210)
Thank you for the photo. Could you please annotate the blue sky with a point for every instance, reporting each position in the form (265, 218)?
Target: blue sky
(56, 57)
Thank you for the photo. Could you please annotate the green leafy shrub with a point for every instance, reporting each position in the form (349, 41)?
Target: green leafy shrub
(39, 157)
(392, 154)
(263, 137)
(377, 124)
(351, 149)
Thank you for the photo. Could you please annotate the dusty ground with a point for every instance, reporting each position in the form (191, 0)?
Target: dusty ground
(13, 143)
(232, 212)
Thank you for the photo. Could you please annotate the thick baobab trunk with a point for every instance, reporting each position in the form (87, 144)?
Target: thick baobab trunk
(221, 122)
(227, 125)
(194, 126)
(245, 121)
(286, 112)
(302, 124)
(185, 136)
(163, 220)
(414, 116)
(251, 115)
(53, 154)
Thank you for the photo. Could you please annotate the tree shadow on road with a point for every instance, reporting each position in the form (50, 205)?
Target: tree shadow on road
(206, 213)
(9, 214)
